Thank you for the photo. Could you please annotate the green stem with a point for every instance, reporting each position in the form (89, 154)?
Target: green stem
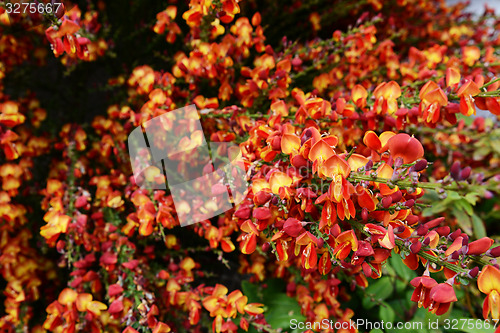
(407, 184)
(490, 83)
(401, 244)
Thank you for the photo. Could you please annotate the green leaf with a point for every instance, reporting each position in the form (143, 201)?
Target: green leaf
(480, 152)
(281, 310)
(402, 271)
(472, 198)
(467, 120)
(251, 291)
(437, 208)
(464, 205)
(463, 220)
(379, 290)
(495, 145)
(478, 225)
(386, 313)
(452, 195)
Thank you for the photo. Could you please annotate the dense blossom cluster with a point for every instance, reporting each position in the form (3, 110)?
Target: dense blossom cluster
(361, 144)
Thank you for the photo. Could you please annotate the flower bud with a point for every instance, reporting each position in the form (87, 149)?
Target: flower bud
(455, 255)
(426, 241)
(59, 10)
(480, 246)
(386, 202)
(243, 212)
(455, 170)
(465, 173)
(364, 214)
(422, 230)
(420, 165)
(415, 247)
(399, 229)
(396, 175)
(494, 252)
(455, 234)
(296, 61)
(396, 196)
(443, 231)
(321, 242)
(293, 227)
(60, 246)
(306, 136)
(412, 219)
(473, 272)
(434, 223)
(409, 203)
(266, 246)
(369, 165)
(276, 143)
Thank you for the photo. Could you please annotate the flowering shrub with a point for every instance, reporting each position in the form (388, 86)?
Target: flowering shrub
(373, 181)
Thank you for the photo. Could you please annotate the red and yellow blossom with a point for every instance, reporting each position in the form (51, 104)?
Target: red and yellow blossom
(386, 95)
(489, 283)
(433, 98)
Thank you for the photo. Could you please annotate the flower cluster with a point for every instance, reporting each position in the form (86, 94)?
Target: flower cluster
(360, 134)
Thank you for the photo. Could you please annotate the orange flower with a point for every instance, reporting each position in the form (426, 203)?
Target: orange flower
(489, 283)
(334, 167)
(319, 153)
(290, 144)
(441, 296)
(9, 114)
(471, 54)
(388, 240)
(433, 98)
(423, 285)
(386, 95)
(359, 95)
(309, 258)
(328, 215)
(452, 77)
(220, 305)
(377, 143)
(280, 184)
(249, 240)
(466, 94)
(346, 242)
(404, 146)
(325, 264)
(338, 189)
